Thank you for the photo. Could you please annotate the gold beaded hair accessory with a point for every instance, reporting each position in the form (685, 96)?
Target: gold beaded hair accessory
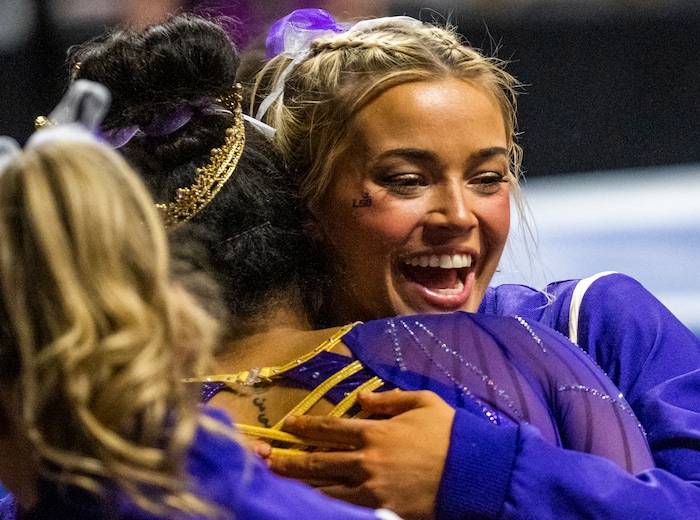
(209, 179)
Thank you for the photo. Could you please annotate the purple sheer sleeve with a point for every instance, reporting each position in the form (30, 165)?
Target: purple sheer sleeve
(510, 370)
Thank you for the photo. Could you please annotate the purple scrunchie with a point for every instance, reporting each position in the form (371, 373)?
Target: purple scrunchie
(163, 125)
(280, 38)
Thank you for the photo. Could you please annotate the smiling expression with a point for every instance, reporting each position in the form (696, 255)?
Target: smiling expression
(418, 212)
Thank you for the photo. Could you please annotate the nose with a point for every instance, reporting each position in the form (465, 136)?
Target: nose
(452, 211)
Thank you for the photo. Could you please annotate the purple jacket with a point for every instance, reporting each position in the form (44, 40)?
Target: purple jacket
(510, 472)
(232, 478)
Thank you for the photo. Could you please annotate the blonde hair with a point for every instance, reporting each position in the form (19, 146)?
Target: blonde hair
(94, 337)
(344, 72)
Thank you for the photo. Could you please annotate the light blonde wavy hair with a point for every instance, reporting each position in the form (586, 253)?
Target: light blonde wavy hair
(94, 338)
(344, 72)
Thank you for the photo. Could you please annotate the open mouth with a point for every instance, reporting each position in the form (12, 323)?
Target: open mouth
(444, 274)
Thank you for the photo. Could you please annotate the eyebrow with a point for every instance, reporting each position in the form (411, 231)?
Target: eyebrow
(408, 153)
(420, 154)
(490, 152)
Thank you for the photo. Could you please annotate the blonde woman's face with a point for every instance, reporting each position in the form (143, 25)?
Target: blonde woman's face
(418, 212)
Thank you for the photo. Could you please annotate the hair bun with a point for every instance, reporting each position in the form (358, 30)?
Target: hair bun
(185, 58)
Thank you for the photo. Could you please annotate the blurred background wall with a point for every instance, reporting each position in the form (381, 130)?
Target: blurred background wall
(610, 83)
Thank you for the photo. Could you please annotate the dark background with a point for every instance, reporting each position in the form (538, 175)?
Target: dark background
(605, 88)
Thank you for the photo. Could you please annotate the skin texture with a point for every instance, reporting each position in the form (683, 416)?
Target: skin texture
(379, 471)
(426, 176)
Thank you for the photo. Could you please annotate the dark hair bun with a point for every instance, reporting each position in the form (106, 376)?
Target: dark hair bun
(185, 58)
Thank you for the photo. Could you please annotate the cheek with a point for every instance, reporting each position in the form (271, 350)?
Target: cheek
(365, 236)
(369, 220)
(495, 220)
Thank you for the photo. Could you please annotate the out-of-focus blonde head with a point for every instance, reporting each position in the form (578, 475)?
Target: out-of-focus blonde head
(94, 338)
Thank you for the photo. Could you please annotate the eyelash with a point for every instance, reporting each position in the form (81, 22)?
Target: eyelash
(403, 184)
(409, 184)
(488, 183)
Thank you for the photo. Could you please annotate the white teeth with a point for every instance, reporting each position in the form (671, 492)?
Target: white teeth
(461, 261)
(441, 261)
(454, 290)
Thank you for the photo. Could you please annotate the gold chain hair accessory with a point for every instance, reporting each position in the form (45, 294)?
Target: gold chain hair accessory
(209, 179)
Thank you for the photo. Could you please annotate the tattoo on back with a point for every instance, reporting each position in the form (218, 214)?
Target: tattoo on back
(259, 403)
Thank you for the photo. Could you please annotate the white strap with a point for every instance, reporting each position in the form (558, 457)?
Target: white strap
(263, 128)
(278, 89)
(576, 299)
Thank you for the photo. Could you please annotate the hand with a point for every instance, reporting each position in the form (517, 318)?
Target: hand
(395, 463)
(261, 448)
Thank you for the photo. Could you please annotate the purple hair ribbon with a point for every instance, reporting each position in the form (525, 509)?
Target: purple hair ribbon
(169, 122)
(119, 136)
(293, 33)
(162, 125)
(291, 37)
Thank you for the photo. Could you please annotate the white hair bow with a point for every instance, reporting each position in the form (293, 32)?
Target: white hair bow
(77, 117)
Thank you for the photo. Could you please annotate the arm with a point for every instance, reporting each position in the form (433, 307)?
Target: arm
(7, 507)
(655, 362)
(244, 487)
(489, 471)
(546, 482)
(384, 469)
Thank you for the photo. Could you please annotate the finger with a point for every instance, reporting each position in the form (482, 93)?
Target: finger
(261, 448)
(395, 403)
(346, 432)
(320, 467)
(319, 483)
(353, 494)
